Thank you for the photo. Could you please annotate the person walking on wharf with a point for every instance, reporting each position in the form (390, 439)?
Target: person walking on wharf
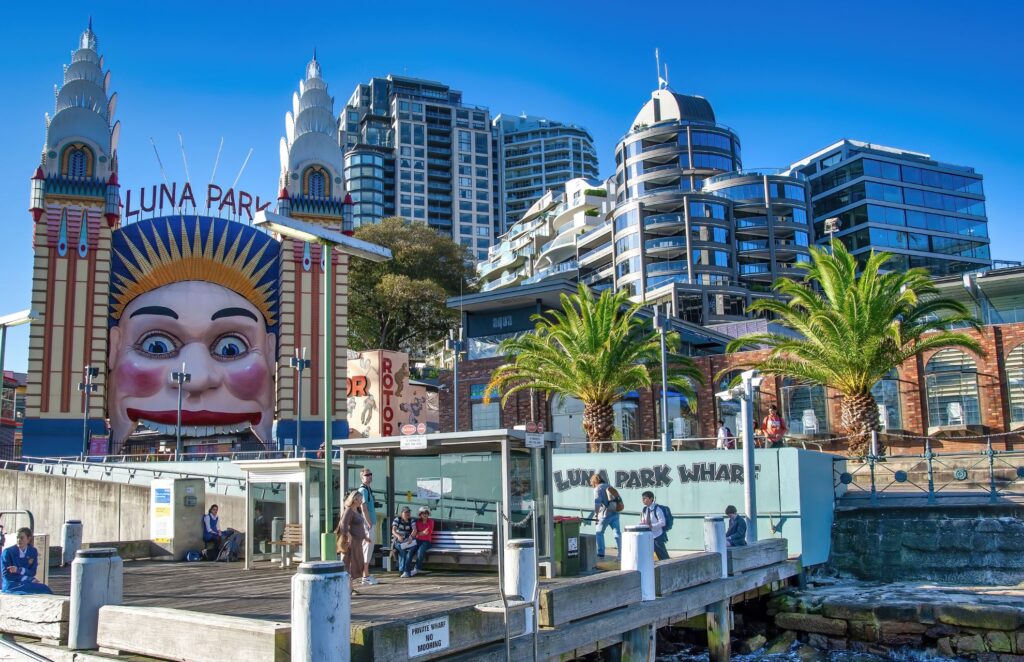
(351, 532)
(369, 512)
(774, 428)
(653, 515)
(607, 505)
(725, 439)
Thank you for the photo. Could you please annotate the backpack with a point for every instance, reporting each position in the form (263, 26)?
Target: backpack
(231, 551)
(614, 500)
(667, 514)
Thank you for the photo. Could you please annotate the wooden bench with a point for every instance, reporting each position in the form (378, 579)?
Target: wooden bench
(473, 546)
(290, 537)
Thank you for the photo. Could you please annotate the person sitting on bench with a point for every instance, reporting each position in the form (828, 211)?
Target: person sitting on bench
(424, 534)
(212, 535)
(20, 563)
(403, 541)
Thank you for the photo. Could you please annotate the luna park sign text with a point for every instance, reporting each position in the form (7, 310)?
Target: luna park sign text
(155, 199)
(659, 475)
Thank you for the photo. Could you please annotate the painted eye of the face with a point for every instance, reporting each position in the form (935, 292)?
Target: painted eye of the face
(158, 345)
(229, 347)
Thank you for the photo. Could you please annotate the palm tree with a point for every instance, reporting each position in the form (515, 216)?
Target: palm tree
(851, 331)
(595, 350)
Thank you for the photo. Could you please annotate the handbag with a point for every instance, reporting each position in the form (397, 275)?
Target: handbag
(344, 542)
(407, 544)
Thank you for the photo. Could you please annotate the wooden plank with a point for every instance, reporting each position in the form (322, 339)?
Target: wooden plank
(762, 553)
(43, 616)
(686, 571)
(574, 599)
(187, 636)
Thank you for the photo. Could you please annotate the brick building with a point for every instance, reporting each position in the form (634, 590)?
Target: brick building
(954, 397)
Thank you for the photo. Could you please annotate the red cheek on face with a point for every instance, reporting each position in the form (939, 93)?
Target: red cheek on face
(137, 379)
(248, 379)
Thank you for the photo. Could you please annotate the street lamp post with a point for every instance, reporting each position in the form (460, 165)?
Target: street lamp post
(745, 393)
(179, 377)
(88, 387)
(455, 345)
(329, 240)
(300, 364)
(661, 324)
(832, 226)
(14, 319)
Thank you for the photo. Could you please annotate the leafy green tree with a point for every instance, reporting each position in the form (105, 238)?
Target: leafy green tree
(400, 304)
(596, 349)
(852, 330)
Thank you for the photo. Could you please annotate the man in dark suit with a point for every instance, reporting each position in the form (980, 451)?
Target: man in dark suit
(736, 534)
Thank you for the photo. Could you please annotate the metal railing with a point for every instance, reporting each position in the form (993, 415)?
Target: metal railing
(984, 472)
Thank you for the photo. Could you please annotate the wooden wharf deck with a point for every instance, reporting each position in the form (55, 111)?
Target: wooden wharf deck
(577, 615)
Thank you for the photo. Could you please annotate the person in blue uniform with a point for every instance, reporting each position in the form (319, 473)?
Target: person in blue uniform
(211, 526)
(20, 563)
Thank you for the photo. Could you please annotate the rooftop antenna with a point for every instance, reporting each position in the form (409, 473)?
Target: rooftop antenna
(242, 169)
(666, 74)
(657, 66)
(216, 161)
(159, 162)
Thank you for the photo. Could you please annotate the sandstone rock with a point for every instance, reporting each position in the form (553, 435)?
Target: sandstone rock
(781, 643)
(969, 644)
(1020, 642)
(818, 641)
(837, 644)
(783, 603)
(811, 623)
(988, 657)
(896, 611)
(752, 644)
(998, 642)
(940, 631)
(808, 654)
(863, 631)
(1011, 658)
(847, 611)
(900, 640)
(944, 647)
(985, 617)
(901, 627)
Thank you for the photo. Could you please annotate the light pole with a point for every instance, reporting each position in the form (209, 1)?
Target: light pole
(180, 377)
(87, 387)
(455, 345)
(329, 240)
(300, 364)
(745, 392)
(661, 324)
(14, 319)
(832, 226)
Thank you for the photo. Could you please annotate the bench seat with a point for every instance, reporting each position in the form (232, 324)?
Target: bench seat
(291, 537)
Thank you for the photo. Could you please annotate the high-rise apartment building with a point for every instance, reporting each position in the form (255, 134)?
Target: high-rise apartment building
(415, 150)
(929, 214)
(680, 224)
(534, 155)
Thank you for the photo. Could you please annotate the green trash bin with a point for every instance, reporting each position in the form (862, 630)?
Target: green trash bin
(567, 546)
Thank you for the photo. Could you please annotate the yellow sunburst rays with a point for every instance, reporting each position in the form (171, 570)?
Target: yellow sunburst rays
(157, 264)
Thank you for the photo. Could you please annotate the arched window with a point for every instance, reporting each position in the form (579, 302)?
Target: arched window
(78, 163)
(951, 387)
(316, 184)
(887, 396)
(1015, 383)
(627, 416)
(682, 421)
(804, 407)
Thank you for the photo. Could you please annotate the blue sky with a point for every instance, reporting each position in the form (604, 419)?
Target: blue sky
(790, 78)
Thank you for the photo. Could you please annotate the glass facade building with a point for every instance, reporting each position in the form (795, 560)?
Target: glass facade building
(532, 156)
(929, 214)
(415, 150)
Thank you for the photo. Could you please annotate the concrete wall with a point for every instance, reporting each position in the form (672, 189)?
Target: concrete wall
(977, 544)
(109, 511)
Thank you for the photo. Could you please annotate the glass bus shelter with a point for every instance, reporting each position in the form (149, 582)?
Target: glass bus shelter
(463, 477)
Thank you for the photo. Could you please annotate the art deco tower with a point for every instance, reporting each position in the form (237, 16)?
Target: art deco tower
(74, 207)
(312, 189)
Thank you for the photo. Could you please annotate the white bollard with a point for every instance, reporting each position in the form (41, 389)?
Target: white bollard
(521, 573)
(714, 539)
(96, 580)
(71, 540)
(638, 554)
(321, 612)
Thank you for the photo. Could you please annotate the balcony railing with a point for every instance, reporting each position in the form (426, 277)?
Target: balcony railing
(666, 267)
(662, 219)
(593, 253)
(669, 242)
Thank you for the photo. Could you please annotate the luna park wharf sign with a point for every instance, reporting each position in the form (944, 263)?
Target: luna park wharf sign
(155, 199)
(658, 475)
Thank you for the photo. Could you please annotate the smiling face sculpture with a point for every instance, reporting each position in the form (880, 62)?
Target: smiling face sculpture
(196, 295)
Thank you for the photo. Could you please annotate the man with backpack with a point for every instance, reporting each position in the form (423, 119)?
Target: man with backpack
(659, 518)
(607, 505)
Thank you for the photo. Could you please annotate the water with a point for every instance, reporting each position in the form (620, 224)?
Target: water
(803, 653)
